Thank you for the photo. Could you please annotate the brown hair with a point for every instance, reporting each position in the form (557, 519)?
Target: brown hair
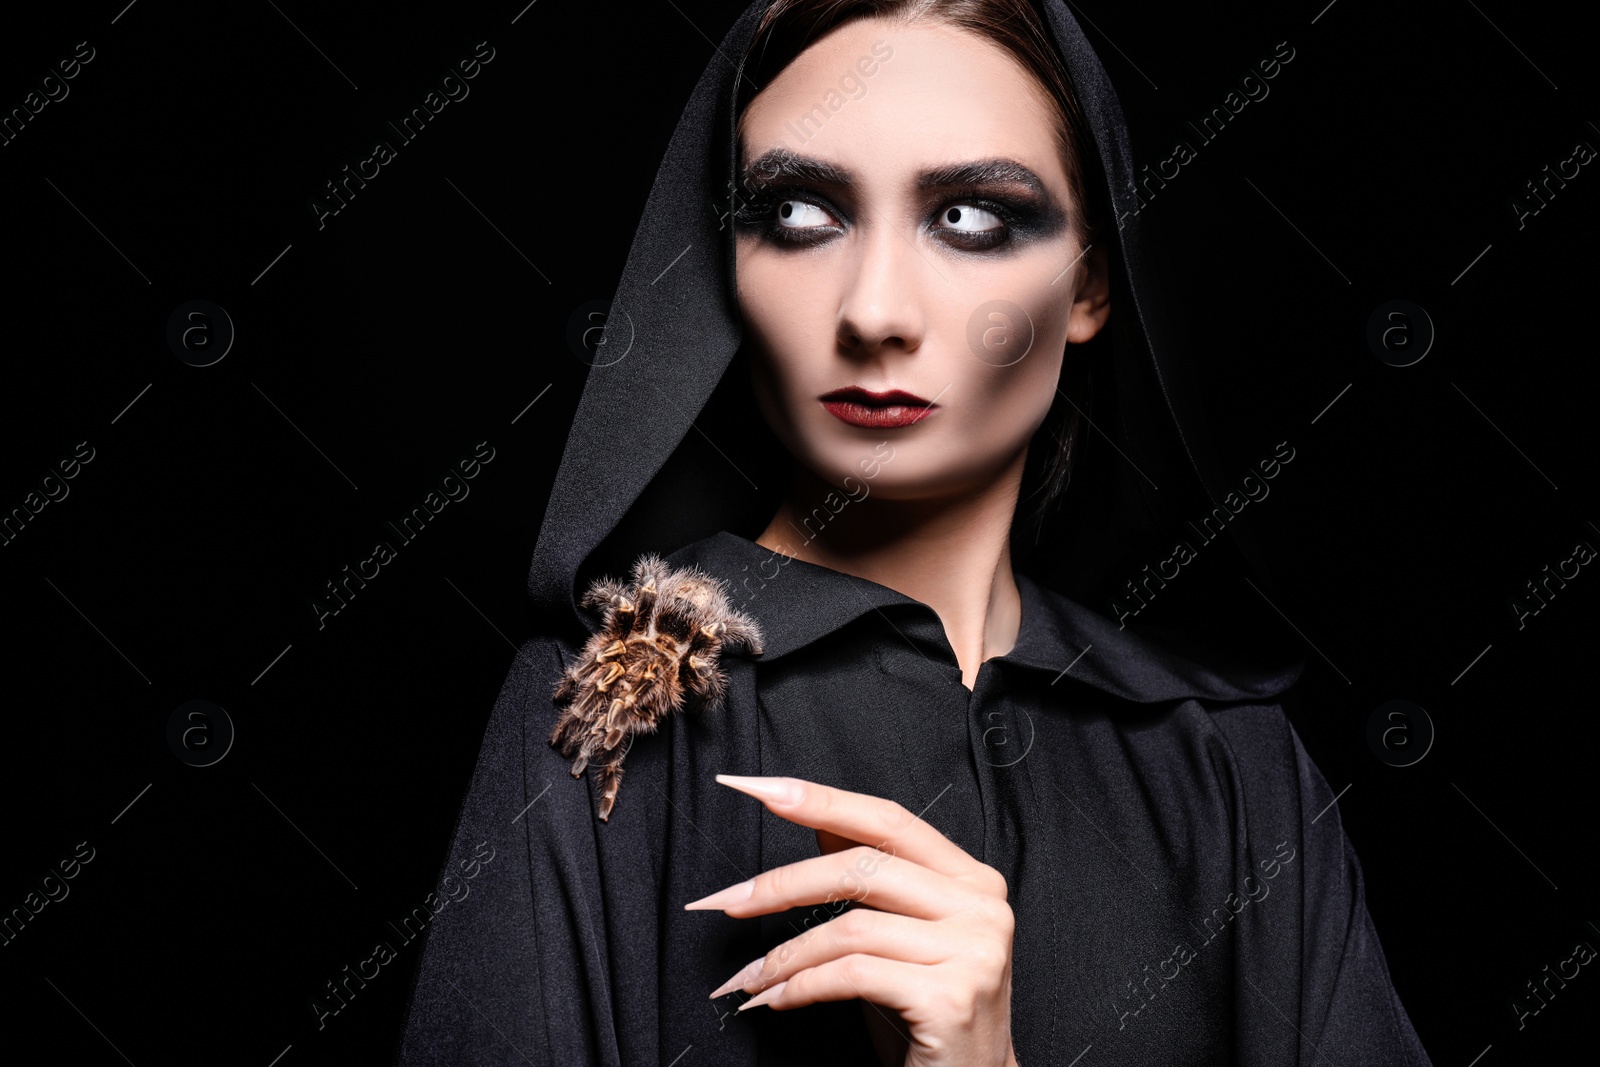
(788, 27)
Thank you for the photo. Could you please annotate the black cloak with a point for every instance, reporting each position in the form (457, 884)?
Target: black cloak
(1183, 889)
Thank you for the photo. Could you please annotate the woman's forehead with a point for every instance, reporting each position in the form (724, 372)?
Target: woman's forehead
(889, 100)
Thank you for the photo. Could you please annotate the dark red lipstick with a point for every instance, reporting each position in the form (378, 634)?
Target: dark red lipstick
(862, 407)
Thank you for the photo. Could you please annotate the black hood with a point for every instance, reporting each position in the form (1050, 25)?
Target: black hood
(666, 447)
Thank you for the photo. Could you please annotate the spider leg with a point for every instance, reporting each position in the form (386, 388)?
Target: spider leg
(740, 629)
(569, 729)
(592, 741)
(616, 723)
(560, 735)
(605, 674)
(695, 670)
(603, 592)
(624, 616)
(651, 570)
(609, 781)
(699, 666)
(646, 594)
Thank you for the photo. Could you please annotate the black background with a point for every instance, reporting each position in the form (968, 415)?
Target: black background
(379, 349)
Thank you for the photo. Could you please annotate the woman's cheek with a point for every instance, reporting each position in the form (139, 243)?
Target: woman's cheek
(777, 402)
(780, 323)
(1020, 395)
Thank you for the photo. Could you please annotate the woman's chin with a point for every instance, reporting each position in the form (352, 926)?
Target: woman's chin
(899, 481)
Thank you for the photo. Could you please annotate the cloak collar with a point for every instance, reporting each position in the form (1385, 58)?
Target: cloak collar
(798, 603)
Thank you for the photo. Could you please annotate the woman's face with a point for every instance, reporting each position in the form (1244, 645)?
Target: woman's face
(905, 223)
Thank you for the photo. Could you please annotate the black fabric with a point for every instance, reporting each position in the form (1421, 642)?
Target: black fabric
(1136, 800)
(1183, 890)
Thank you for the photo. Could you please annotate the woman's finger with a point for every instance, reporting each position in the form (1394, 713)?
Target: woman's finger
(863, 875)
(873, 821)
(887, 983)
(874, 933)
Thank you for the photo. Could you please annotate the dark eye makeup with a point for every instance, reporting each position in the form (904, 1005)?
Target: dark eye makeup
(1021, 219)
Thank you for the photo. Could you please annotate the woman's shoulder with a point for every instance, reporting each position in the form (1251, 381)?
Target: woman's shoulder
(538, 664)
(1146, 666)
(526, 705)
(1180, 707)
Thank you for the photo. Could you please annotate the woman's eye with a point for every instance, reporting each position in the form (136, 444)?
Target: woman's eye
(968, 218)
(801, 215)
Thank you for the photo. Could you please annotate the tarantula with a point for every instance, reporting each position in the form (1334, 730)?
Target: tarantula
(658, 647)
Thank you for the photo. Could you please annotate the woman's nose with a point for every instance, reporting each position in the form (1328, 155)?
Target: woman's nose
(882, 302)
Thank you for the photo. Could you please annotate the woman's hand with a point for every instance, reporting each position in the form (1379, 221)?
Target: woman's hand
(929, 939)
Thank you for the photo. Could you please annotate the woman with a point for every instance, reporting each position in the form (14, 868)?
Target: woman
(990, 826)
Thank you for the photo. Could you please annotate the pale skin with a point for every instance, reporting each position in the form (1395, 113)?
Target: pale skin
(884, 301)
(878, 293)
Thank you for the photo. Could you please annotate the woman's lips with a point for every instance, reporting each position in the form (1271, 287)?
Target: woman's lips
(860, 407)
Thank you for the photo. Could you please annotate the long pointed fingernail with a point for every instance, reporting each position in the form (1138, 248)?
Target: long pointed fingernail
(764, 996)
(723, 897)
(746, 973)
(763, 788)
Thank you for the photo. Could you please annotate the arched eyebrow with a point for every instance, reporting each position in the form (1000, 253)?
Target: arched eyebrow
(980, 172)
(782, 165)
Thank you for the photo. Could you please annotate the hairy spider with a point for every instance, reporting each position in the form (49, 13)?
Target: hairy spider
(656, 651)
